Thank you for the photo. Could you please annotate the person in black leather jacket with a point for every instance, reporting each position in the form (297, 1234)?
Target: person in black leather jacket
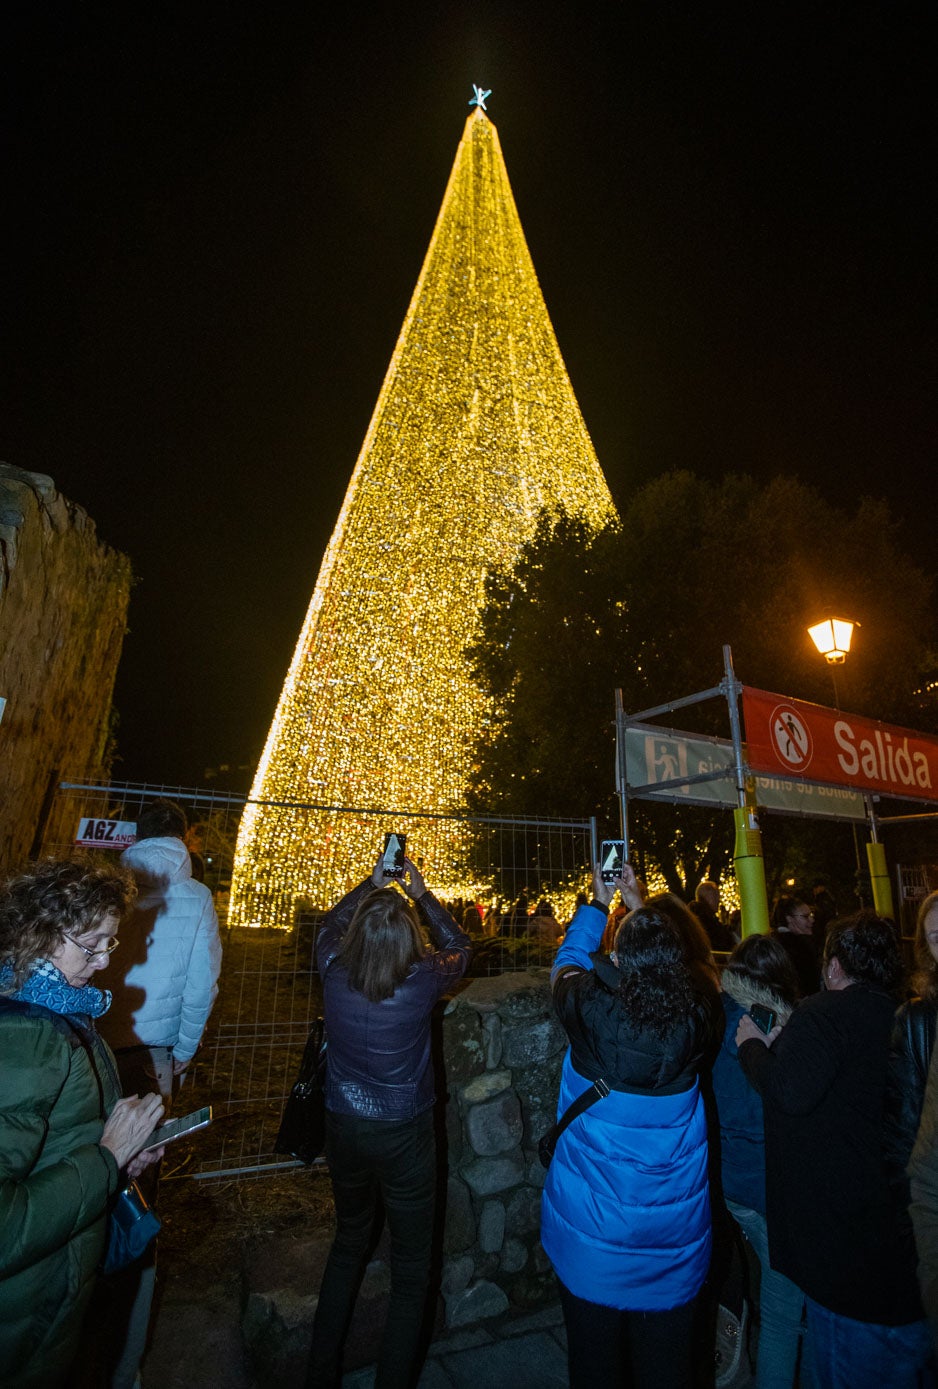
(380, 984)
(913, 1040)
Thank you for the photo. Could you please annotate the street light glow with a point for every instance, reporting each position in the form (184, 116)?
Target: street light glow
(832, 638)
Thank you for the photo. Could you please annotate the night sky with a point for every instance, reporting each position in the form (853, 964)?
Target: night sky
(219, 212)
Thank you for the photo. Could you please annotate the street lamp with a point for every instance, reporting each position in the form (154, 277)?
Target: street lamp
(832, 638)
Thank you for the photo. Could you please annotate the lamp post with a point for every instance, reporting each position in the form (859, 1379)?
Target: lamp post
(832, 638)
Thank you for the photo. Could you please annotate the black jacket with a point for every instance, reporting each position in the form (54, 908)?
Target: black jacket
(604, 1043)
(913, 1039)
(378, 1058)
(835, 1227)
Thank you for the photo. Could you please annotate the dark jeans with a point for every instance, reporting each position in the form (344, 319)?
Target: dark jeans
(369, 1158)
(610, 1349)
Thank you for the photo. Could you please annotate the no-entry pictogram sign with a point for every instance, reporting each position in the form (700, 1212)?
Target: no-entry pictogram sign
(792, 738)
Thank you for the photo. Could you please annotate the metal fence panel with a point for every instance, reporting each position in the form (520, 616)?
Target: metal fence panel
(269, 991)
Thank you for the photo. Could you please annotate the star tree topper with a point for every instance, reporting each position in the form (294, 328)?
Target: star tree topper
(480, 97)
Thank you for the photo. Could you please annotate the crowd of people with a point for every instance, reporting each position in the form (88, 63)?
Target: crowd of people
(774, 1093)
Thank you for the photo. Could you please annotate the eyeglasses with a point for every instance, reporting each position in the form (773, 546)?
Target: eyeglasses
(108, 949)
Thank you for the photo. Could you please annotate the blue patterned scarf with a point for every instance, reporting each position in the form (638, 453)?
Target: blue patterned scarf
(48, 987)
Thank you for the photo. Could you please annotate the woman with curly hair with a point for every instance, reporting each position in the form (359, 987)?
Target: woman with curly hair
(626, 1211)
(66, 1136)
(913, 1040)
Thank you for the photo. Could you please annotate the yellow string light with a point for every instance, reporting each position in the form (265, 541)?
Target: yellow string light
(476, 428)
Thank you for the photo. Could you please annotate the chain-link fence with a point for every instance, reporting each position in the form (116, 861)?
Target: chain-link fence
(269, 991)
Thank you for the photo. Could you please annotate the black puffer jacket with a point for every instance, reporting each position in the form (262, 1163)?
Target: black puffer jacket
(913, 1040)
(603, 1043)
(379, 1053)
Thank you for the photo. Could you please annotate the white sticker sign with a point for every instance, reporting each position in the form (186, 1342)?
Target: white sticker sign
(105, 834)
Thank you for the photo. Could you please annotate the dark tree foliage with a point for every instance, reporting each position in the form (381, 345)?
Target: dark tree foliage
(646, 604)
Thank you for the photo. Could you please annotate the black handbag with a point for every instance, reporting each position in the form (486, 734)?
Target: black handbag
(131, 1228)
(303, 1126)
(548, 1141)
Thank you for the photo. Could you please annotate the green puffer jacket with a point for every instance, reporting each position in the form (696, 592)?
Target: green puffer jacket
(55, 1181)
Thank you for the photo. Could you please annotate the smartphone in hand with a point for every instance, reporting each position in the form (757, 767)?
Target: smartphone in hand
(611, 859)
(392, 865)
(764, 1018)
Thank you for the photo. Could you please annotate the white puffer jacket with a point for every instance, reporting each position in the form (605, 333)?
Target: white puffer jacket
(164, 975)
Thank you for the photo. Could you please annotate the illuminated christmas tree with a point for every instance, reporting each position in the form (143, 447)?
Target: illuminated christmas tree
(476, 428)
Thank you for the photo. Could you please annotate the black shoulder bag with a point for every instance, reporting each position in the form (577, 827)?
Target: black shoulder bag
(545, 1148)
(303, 1126)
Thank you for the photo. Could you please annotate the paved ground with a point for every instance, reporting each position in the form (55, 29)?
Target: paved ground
(526, 1353)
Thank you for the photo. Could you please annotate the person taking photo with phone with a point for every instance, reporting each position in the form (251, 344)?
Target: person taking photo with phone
(380, 984)
(625, 1216)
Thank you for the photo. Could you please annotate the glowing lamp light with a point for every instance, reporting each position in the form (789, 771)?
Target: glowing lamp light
(832, 638)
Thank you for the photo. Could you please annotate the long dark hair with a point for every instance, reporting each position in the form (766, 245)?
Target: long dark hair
(763, 961)
(925, 978)
(655, 983)
(380, 944)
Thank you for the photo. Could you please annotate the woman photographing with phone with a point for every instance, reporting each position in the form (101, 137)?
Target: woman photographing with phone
(626, 1210)
(380, 985)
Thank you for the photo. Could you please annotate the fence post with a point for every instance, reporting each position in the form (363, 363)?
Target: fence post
(747, 852)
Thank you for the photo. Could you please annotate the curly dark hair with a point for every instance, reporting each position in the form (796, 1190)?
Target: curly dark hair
(765, 962)
(925, 978)
(53, 899)
(655, 984)
(868, 950)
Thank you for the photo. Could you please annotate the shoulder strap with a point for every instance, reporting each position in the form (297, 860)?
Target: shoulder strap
(597, 1091)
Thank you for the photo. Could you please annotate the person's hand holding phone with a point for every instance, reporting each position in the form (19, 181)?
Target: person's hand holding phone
(603, 892)
(628, 888)
(130, 1124)
(413, 885)
(143, 1160)
(377, 877)
(747, 1031)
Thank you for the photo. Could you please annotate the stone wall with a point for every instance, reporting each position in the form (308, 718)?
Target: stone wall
(63, 614)
(502, 1050)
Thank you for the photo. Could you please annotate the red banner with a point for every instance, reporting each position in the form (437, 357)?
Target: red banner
(790, 737)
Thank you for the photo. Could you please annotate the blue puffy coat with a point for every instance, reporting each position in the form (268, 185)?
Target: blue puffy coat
(742, 1129)
(625, 1217)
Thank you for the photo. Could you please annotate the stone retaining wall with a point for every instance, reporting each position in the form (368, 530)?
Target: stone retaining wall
(63, 614)
(502, 1050)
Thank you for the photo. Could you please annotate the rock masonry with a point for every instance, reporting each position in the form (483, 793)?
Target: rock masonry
(63, 614)
(502, 1049)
